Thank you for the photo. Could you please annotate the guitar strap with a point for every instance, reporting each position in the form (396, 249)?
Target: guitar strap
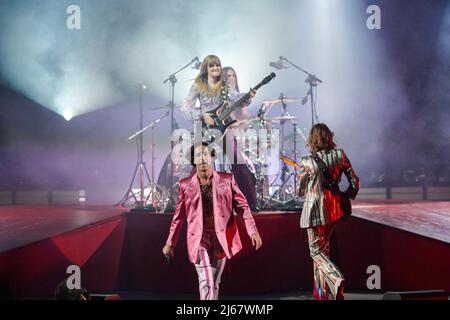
(333, 186)
(329, 183)
(225, 95)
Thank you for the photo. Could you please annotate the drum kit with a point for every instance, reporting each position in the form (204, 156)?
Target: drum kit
(275, 187)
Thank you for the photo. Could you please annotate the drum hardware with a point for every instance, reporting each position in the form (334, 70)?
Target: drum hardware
(281, 118)
(282, 196)
(172, 79)
(313, 82)
(267, 105)
(172, 170)
(141, 202)
(281, 192)
(166, 107)
(282, 99)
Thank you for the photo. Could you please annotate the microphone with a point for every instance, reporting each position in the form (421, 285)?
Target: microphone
(278, 65)
(197, 64)
(169, 260)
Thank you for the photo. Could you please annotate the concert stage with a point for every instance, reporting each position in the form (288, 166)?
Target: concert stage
(120, 251)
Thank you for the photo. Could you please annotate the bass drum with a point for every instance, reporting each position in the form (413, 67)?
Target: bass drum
(167, 184)
(263, 161)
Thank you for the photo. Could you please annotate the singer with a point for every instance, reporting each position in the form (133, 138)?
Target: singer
(207, 200)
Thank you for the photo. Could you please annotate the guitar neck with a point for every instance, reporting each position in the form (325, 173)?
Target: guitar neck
(227, 112)
(296, 166)
(290, 162)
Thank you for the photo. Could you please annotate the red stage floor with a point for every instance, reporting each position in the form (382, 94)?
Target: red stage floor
(120, 251)
(23, 225)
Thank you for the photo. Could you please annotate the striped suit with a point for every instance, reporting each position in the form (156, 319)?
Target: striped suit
(321, 211)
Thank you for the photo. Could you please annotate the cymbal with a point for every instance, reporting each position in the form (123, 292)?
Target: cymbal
(280, 118)
(275, 119)
(244, 122)
(282, 100)
(166, 107)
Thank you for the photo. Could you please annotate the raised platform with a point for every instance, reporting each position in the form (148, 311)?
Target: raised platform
(426, 218)
(409, 241)
(24, 225)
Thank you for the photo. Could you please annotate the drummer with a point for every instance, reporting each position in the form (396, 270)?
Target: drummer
(240, 168)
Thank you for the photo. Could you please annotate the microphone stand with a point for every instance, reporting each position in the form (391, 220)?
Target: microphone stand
(153, 185)
(313, 82)
(140, 203)
(172, 79)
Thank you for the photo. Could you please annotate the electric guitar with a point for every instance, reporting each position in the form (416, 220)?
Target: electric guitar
(290, 162)
(221, 114)
(344, 199)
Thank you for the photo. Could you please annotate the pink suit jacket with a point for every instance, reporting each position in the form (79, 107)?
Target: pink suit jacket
(226, 197)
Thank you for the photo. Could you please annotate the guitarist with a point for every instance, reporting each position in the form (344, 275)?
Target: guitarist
(323, 206)
(210, 89)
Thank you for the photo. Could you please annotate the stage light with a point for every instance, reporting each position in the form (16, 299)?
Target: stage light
(67, 114)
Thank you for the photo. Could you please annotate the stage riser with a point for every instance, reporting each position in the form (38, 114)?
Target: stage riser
(125, 254)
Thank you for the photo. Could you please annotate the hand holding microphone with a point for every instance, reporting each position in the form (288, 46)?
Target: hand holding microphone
(168, 253)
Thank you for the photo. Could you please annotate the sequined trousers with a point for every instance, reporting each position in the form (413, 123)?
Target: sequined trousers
(328, 279)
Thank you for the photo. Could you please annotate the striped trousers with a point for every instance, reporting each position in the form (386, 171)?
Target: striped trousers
(328, 279)
(210, 264)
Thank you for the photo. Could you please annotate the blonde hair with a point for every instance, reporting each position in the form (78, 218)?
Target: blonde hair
(202, 78)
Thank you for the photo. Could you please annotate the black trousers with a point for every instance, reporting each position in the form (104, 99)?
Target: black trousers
(246, 182)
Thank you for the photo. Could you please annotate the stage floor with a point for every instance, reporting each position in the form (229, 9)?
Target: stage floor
(426, 218)
(24, 224)
(288, 295)
(21, 225)
(92, 237)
